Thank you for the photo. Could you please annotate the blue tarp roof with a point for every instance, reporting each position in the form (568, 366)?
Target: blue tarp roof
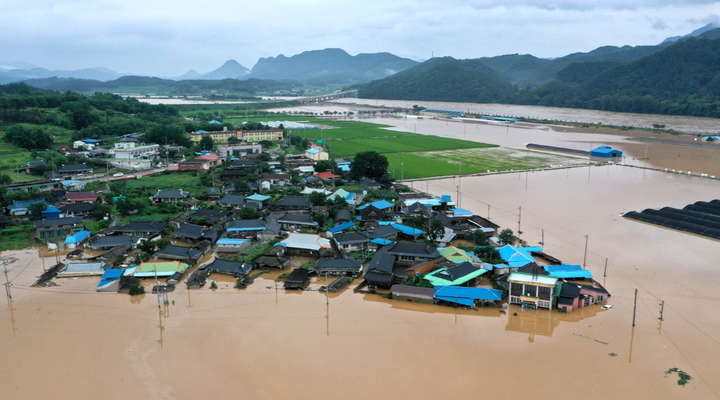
(468, 292)
(568, 271)
(312, 151)
(381, 204)
(231, 241)
(258, 197)
(381, 241)
(215, 122)
(407, 230)
(461, 211)
(90, 141)
(342, 227)
(113, 273)
(517, 257)
(77, 237)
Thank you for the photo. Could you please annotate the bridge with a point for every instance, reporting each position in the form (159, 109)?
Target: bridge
(327, 97)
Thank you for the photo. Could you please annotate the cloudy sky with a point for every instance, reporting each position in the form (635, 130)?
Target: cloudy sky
(168, 38)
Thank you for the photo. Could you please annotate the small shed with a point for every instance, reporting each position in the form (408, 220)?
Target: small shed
(606, 152)
(299, 279)
(413, 293)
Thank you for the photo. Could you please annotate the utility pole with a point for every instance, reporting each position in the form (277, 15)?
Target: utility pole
(634, 307)
(605, 271)
(7, 284)
(519, 220)
(585, 257)
(662, 309)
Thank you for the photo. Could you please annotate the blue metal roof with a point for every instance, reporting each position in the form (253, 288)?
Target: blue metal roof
(381, 241)
(517, 257)
(381, 204)
(77, 237)
(258, 197)
(113, 273)
(342, 227)
(231, 241)
(568, 271)
(468, 292)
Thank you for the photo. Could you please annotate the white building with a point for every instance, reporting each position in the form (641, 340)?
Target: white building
(128, 150)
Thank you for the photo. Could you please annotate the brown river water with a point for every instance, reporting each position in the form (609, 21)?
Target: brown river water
(70, 342)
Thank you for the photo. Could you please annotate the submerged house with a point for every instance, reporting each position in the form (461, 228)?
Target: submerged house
(533, 291)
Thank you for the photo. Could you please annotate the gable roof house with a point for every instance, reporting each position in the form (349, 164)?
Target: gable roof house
(232, 200)
(21, 207)
(295, 203)
(182, 253)
(243, 228)
(270, 180)
(141, 229)
(170, 196)
(299, 279)
(408, 253)
(77, 210)
(75, 169)
(533, 291)
(233, 268)
(303, 243)
(80, 197)
(110, 242)
(296, 222)
(380, 269)
(352, 241)
(464, 274)
(337, 266)
(58, 227)
(195, 233)
(273, 258)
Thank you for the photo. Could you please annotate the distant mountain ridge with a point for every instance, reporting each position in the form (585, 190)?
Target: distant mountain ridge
(330, 66)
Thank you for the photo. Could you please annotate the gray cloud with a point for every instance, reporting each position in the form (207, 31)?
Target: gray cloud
(169, 38)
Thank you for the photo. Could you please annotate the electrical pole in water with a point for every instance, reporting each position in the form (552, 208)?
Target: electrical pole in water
(662, 309)
(634, 307)
(585, 257)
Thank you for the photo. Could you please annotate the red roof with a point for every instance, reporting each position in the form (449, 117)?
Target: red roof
(208, 156)
(326, 175)
(81, 196)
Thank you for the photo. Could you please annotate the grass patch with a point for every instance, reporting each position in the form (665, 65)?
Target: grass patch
(469, 161)
(17, 237)
(403, 144)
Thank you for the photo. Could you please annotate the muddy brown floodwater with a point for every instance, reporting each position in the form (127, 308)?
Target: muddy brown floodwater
(70, 342)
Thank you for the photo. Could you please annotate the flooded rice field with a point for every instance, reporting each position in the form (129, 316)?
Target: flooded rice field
(263, 342)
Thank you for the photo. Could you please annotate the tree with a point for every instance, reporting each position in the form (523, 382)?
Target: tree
(5, 179)
(28, 138)
(320, 218)
(368, 164)
(167, 134)
(206, 143)
(506, 236)
(36, 211)
(428, 223)
(317, 198)
(478, 237)
(250, 213)
(136, 288)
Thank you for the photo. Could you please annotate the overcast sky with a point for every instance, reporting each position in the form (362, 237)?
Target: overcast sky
(168, 38)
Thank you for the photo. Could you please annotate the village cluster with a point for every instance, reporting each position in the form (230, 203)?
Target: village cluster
(381, 245)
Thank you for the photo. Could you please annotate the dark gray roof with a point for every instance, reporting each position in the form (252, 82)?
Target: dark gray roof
(382, 231)
(179, 251)
(228, 267)
(337, 263)
(112, 241)
(413, 249)
(243, 164)
(295, 201)
(457, 272)
(247, 224)
(78, 207)
(193, 231)
(156, 227)
(343, 215)
(171, 194)
(74, 168)
(211, 215)
(382, 262)
(49, 223)
(232, 199)
(350, 237)
(303, 219)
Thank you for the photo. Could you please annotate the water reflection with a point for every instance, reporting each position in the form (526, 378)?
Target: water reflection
(542, 321)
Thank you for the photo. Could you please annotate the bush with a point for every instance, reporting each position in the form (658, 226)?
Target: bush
(136, 288)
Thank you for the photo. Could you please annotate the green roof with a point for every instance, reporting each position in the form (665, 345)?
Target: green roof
(455, 254)
(161, 268)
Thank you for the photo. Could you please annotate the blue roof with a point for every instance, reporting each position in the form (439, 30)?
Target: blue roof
(468, 292)
(408, 230)
(258, 197)
(201, 131)
(24, 204)
(51, 209)
(215, 122)
(72, 182)
(381, 241)
(312, 151)
(342, 227)
(461, 211)
(605, 151)
(344, 168)
(77, 237)
(381, 204)
(517, 257)
(90, 141)
(231, 241)
(113, 273)
(568, 271)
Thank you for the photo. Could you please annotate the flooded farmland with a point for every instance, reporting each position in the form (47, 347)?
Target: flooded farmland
(265, 343)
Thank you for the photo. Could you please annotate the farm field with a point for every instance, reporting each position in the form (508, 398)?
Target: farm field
(403, 144)
(427, 164)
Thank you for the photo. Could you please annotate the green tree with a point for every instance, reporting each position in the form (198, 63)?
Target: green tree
(136, 288)
(320, 218)
(506, 236)
(206, 143)
(5, 179)
(36, 211)
(28, 138)
(478, 237)
(250, 213)
(317, 198)
(368, 164)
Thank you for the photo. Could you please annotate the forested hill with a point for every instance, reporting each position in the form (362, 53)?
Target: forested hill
(185, 87)
(682, 78)
(442, 79)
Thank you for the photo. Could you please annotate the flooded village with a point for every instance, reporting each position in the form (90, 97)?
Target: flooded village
(581, 301)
